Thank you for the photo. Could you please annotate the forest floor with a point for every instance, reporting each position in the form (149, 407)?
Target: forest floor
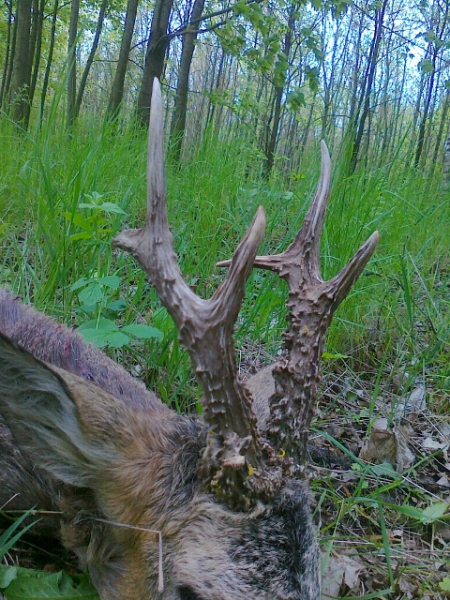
(379, 469)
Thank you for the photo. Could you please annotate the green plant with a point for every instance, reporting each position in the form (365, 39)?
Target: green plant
(95, 295)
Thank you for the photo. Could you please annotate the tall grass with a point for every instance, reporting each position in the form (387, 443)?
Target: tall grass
(49, 241)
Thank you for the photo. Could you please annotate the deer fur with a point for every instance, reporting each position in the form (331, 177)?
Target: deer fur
(102, 459)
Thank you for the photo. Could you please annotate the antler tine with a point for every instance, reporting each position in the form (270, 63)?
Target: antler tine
(152, 246)
(307, 240)
(311, 229)
(205, 327)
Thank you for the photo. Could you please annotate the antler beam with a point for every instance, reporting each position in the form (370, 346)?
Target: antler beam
(205, 326)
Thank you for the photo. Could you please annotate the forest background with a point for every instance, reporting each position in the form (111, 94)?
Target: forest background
(250, 89)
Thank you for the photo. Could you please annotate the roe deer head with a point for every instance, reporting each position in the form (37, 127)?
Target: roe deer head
(159, 505)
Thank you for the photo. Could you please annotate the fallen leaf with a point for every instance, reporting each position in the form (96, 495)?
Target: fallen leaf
(432, 445)
(443, 482)
(387, 446)
(339, 571)
(412, 405)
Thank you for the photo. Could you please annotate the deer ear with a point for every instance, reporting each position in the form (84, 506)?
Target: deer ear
(66, 425)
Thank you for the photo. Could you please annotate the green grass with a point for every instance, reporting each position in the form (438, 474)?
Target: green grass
(396, 316)
(49, 242)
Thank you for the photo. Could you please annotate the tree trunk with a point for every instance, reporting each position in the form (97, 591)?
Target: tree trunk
(355, 71)
(90, 60)
(49, 61)
(364, 103)
(20, 85)
(36, 46)
(271, 146)
(307, 129)
(440, 136)
(116, 96)
(179, 116)
(446, 166)
(72, 63)
(215, 85)
(8, 53)
(424, 118)
(154, 59)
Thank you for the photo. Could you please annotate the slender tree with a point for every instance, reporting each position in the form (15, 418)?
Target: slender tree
(154, 58)
(362, 112)
(436, 34)
(278, 92)
(181, 97)
(72, 63)
(20, 83)
(8, 52)
(90, 60)
(49, 60)
(116, 95)
(36, 45)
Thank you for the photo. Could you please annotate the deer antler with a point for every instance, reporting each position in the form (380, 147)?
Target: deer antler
(237, 465)
(312, 303)
(205, 327)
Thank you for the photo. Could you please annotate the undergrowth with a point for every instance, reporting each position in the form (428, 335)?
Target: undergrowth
(62, 201)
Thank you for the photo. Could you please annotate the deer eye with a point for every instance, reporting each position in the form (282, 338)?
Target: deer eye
(187, 593)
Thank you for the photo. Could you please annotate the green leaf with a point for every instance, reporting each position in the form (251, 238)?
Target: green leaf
(430, 36)
(29, 584)
(445, 584)
(384, 470)
(103, 332)
(117, 340)
(98, 331)
(7, 574)
(91, 294)
(296, 100)
(434, 512)
(312, 74)
(117, 305)
(426, 66)
(111, 281)
(101, 324)
(79, 283)
(79, 220)
(80, 236)
(110, 207)
(143, 331)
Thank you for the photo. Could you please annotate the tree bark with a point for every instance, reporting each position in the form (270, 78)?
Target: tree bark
(278, 93)
(440, 136)
(8, 53)
(49, 61)
(362, 112)
(36, 45)
(20, 83)
(446, 165)
(72, 63)
(116, 96)
(426, 110)
(181, 98)
(154, 59)
(90, 60)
